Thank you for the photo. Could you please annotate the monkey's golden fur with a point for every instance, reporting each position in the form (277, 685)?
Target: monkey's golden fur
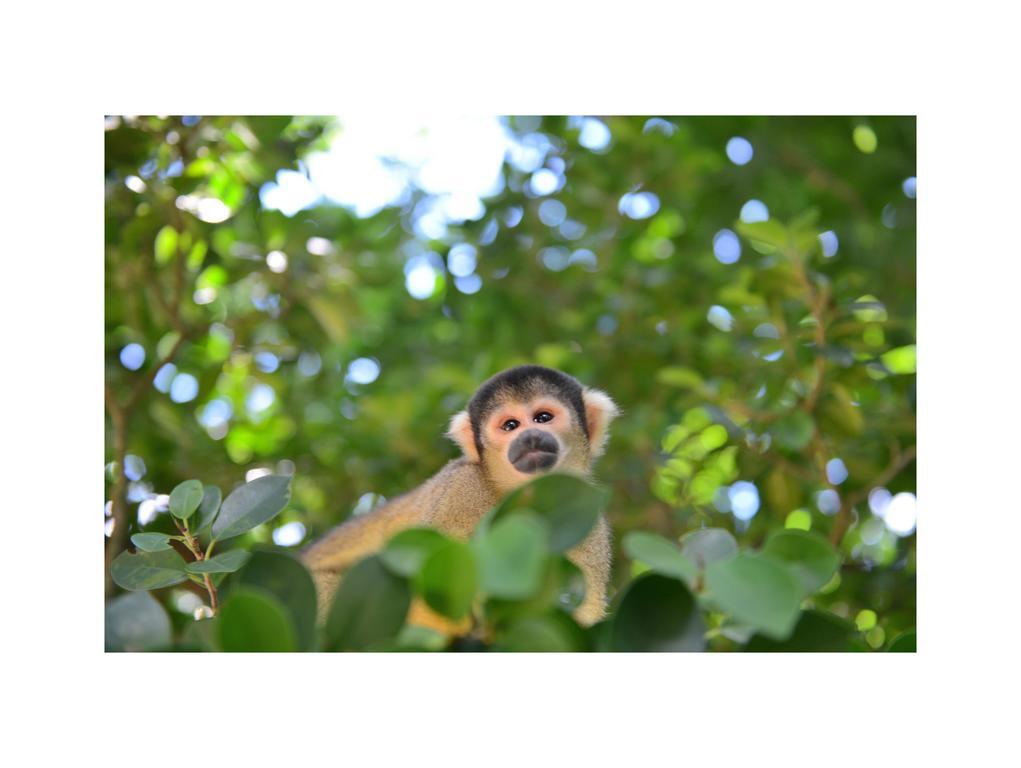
(454, 500)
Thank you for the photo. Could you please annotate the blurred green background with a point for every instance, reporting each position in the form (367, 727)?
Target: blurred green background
(316, 296)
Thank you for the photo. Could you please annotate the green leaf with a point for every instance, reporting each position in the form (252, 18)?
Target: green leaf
(165, 246)
(282, 574)
(225, 562)
(756, 590)
(815, 632)
(405, 552)
(136, 622)
(148, 570)
(208, 508)
(793, 431)
(660, 554)
(570, 506)
(185, 499)
(811, 557)
(369, 607)
(512, 556)
(448, 580)
(252, 619)
(900, 360)
(771, 232)
(252, 504)
(905, 642)
(656, 613)
(151, 542)
(708, 545)
(552, 632)
(677, 376)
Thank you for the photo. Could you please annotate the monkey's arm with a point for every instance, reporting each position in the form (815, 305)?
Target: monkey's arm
(593, 556)
(346, 544)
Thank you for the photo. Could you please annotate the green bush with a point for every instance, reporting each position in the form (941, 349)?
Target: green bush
(764, 358)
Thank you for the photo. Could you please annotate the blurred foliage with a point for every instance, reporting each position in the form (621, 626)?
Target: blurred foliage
(778, 385)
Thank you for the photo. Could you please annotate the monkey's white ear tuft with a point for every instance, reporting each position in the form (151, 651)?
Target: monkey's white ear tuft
(600, 410)
(460, 432)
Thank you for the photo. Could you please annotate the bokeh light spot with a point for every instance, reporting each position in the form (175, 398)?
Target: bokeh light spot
(740, 150)
(720, 318)
(266, 362)
(744, 500)
(544, 182)
(133, 356)
(595, 135)
(638, 205)
(462, 259)
(879, 501)
(829, 242)
(552, 212)
(910, 187)
(289, 534)
(901, 514)
(468, 284)
(134, 467)
(259, 398)
(164, 376)
(276, 261)
(726, 247)
(184, 388)
(836, 471)
(828, 501)
(420, 277)
(364, 370)
(753, 211)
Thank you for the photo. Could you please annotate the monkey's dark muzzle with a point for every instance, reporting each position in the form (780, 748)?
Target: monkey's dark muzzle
(533, 451)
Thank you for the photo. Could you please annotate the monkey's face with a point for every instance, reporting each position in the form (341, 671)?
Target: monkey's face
(529, 420)
(523, 439)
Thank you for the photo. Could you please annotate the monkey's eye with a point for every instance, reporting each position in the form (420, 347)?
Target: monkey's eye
(510, 425)
(542, 417)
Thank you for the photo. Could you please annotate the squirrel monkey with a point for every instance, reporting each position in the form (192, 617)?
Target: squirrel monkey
(520, 423)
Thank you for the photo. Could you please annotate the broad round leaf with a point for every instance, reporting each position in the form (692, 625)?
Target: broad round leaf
(562, 588)
(136, 622)
(225, 562)
(254, 620)
(282, 574)
(252, 504)
(656, 613)
(758, 591)
(569, 505)
(208, 508)
(185, 499)
(405, 552)
(369, 607)
(512, 556)
(812, 557)
(659, 553)
(448, 580)
(148, 570)
(151, 542)
(708, 545)
(815, 632)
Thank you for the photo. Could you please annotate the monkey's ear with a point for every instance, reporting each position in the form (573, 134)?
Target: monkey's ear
(600, 410)
(460, 432)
